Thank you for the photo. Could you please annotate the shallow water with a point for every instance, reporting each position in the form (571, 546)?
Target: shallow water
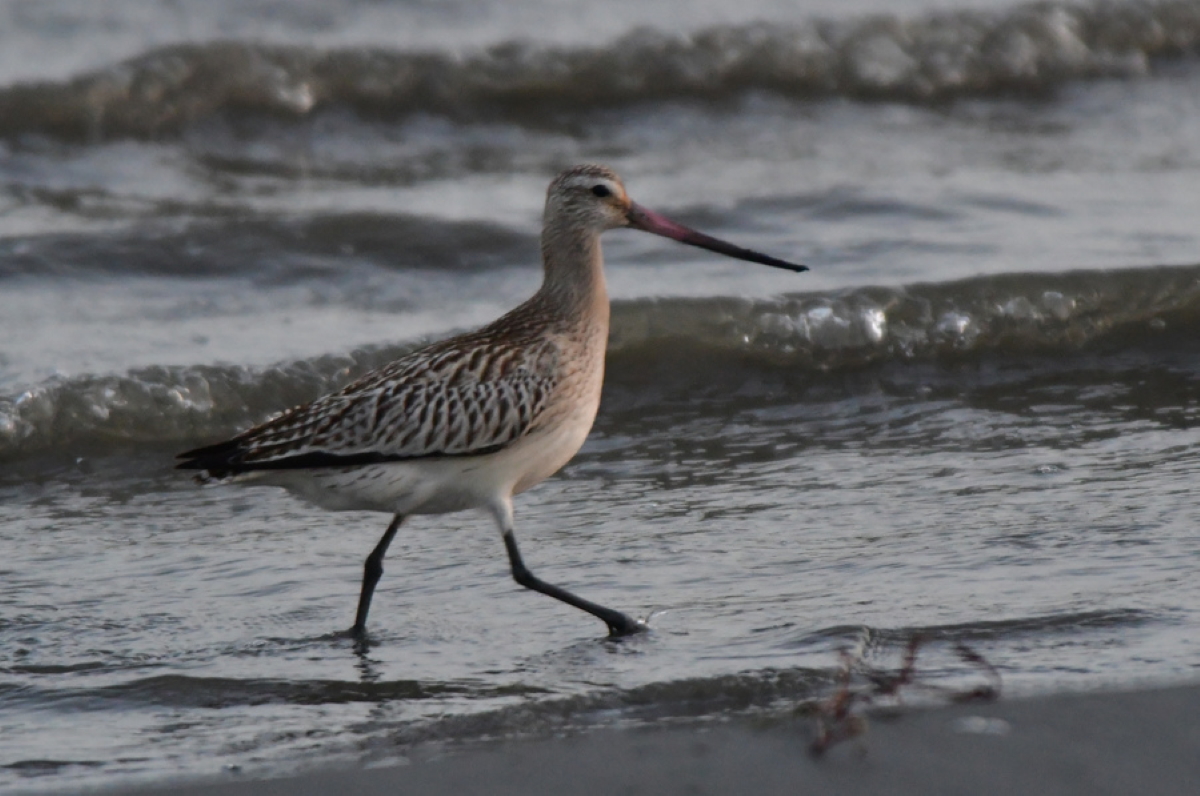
(974, 419)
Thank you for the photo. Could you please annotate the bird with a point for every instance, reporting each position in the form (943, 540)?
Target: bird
(472, 420)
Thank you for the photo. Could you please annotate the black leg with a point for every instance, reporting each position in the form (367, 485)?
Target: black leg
(372, 570)
(618, 623)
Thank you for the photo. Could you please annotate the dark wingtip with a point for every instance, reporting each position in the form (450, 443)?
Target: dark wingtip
(218, 460)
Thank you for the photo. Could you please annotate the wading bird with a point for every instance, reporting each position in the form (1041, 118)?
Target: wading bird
(469, 422)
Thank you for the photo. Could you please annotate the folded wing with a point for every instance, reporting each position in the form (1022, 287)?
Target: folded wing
(437, 402)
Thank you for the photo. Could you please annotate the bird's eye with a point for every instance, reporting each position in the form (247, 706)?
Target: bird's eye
(601, 191)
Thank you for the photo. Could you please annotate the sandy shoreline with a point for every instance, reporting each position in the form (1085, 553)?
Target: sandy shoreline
(1098, 743)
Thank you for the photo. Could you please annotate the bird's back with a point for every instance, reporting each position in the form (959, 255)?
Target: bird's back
(471, 395)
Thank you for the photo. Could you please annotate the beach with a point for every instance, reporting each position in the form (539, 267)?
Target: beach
(1067, 745)
(972, 424)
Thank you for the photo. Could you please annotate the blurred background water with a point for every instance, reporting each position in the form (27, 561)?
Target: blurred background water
(974, 419)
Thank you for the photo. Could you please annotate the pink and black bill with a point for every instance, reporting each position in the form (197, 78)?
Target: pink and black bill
(649, 221)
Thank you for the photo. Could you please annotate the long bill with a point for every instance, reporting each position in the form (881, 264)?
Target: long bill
(649, 221)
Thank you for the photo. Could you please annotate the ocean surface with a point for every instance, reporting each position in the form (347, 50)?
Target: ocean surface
(975, 420)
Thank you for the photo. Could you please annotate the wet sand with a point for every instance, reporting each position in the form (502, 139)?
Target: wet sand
(1098, 743)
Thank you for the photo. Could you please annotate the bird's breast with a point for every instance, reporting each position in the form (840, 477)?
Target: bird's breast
(560, 431)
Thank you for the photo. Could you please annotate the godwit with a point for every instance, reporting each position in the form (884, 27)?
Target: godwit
(473, 420)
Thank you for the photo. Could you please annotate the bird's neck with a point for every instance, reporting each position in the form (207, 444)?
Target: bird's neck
(574, 275)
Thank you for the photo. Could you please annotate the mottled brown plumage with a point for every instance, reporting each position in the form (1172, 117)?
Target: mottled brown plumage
(470, 421)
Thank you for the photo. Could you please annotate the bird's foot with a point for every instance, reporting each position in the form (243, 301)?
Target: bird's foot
(622, 625)
(360, 640)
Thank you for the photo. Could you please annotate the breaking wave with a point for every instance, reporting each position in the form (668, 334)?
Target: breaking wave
(1058, 318)
(1031, 49)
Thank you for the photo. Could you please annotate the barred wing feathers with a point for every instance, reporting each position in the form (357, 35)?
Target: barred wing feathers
(446, 400)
